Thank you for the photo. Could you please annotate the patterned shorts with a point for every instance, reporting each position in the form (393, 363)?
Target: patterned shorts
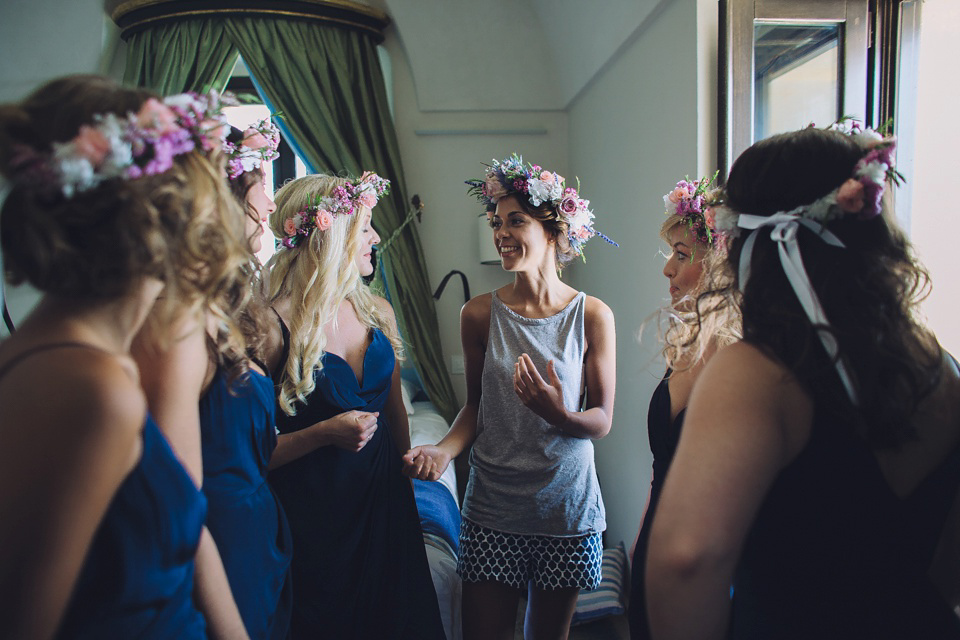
(513, 559)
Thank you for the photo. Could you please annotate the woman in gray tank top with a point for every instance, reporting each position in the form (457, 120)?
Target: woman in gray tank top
(540, 369)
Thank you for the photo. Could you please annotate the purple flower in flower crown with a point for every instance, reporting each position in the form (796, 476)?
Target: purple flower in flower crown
(569, 205)
(520, 184)
(872, 199)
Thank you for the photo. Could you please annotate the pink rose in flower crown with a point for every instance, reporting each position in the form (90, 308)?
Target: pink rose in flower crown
(92, 145)
(157, 117)
(568, 206)
(214, 133)
(710, 218)
(546, 177)
(850, 196)
(324, 219)
(368, 200)
(253, 139)
(679, 194)
(289, 227)
(493, 189)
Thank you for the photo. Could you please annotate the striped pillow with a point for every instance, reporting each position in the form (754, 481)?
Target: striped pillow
(607, 599)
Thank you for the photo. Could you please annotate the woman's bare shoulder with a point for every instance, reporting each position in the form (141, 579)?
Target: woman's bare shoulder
(478, 307)
(79, 391)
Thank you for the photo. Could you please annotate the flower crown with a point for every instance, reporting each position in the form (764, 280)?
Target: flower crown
(344, 200)
(861, 194)
(257, 146)
(140, 144)
(690, 201)
(513, 176)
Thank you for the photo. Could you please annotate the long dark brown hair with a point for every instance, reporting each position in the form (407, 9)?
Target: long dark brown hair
(869, 290)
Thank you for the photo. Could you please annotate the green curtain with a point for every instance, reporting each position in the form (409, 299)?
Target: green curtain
(190, 55)
(329, 86)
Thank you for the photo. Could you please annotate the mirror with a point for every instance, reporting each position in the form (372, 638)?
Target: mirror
(796, 77)
(787, 63)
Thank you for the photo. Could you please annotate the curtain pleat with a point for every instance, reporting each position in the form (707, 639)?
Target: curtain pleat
(191, 55)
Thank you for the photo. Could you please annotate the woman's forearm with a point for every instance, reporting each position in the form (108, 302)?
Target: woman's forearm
(291, 446)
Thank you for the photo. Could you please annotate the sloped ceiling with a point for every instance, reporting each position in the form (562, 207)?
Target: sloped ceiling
(493, 55)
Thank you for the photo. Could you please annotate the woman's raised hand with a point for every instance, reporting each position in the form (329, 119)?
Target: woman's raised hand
(352, 430)
(542, 397)
(426, 462)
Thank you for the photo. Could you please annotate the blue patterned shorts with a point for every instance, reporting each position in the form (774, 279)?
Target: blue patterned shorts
(513, 559)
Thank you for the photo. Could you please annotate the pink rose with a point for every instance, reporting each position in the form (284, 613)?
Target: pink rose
(710, 217)
(92, 145)
(546, 177)
(493, 189)
(568, 206)
(156, 116)
(678, 194)
(324, 219)
(850, 196)
(289, 227)
(253, 139)
(214, 133)
(368, 200)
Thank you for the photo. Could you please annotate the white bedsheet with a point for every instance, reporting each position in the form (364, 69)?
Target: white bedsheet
(428, 427)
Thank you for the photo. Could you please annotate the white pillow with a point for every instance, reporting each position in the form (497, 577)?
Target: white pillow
(407, 390)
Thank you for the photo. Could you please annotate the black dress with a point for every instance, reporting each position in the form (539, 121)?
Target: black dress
(834, 554)
(664, 434)
(360, 567)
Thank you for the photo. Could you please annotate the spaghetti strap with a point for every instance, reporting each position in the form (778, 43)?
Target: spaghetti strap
(5, 369)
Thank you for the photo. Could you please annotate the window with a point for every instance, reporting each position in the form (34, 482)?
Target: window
(287, 167)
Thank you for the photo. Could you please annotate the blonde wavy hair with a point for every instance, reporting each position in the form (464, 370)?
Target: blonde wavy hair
(317, 275)
(714, 321)
(209, 255)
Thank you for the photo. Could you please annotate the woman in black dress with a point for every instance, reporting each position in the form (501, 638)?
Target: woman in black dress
(696, 250)
(819, 465)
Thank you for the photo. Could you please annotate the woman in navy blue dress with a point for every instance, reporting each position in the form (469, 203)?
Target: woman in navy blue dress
(360, 568)
(99, 522)
(211, 390)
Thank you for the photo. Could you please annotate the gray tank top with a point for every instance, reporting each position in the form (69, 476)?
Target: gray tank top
(526, 475)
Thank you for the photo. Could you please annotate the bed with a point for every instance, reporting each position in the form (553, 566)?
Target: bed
(439, 510)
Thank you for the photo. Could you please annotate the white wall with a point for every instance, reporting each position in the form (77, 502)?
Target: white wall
(41, 40)
(633, 133)
(935, 169)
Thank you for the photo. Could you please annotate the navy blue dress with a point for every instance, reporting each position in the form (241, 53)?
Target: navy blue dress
(360, 569)
(245, 518)
(664, 435)
(137, 578)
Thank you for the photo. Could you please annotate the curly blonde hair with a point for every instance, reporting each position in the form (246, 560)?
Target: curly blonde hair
(317, 275)
(714, 321)
(178, 226)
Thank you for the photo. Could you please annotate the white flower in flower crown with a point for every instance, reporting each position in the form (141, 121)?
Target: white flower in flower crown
(875, 172)
(867, 138)
(821, 210)
(76, 172)
(726, 220)
(541, 191)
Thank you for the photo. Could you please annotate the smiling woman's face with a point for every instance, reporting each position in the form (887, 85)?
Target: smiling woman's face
(522, 240)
